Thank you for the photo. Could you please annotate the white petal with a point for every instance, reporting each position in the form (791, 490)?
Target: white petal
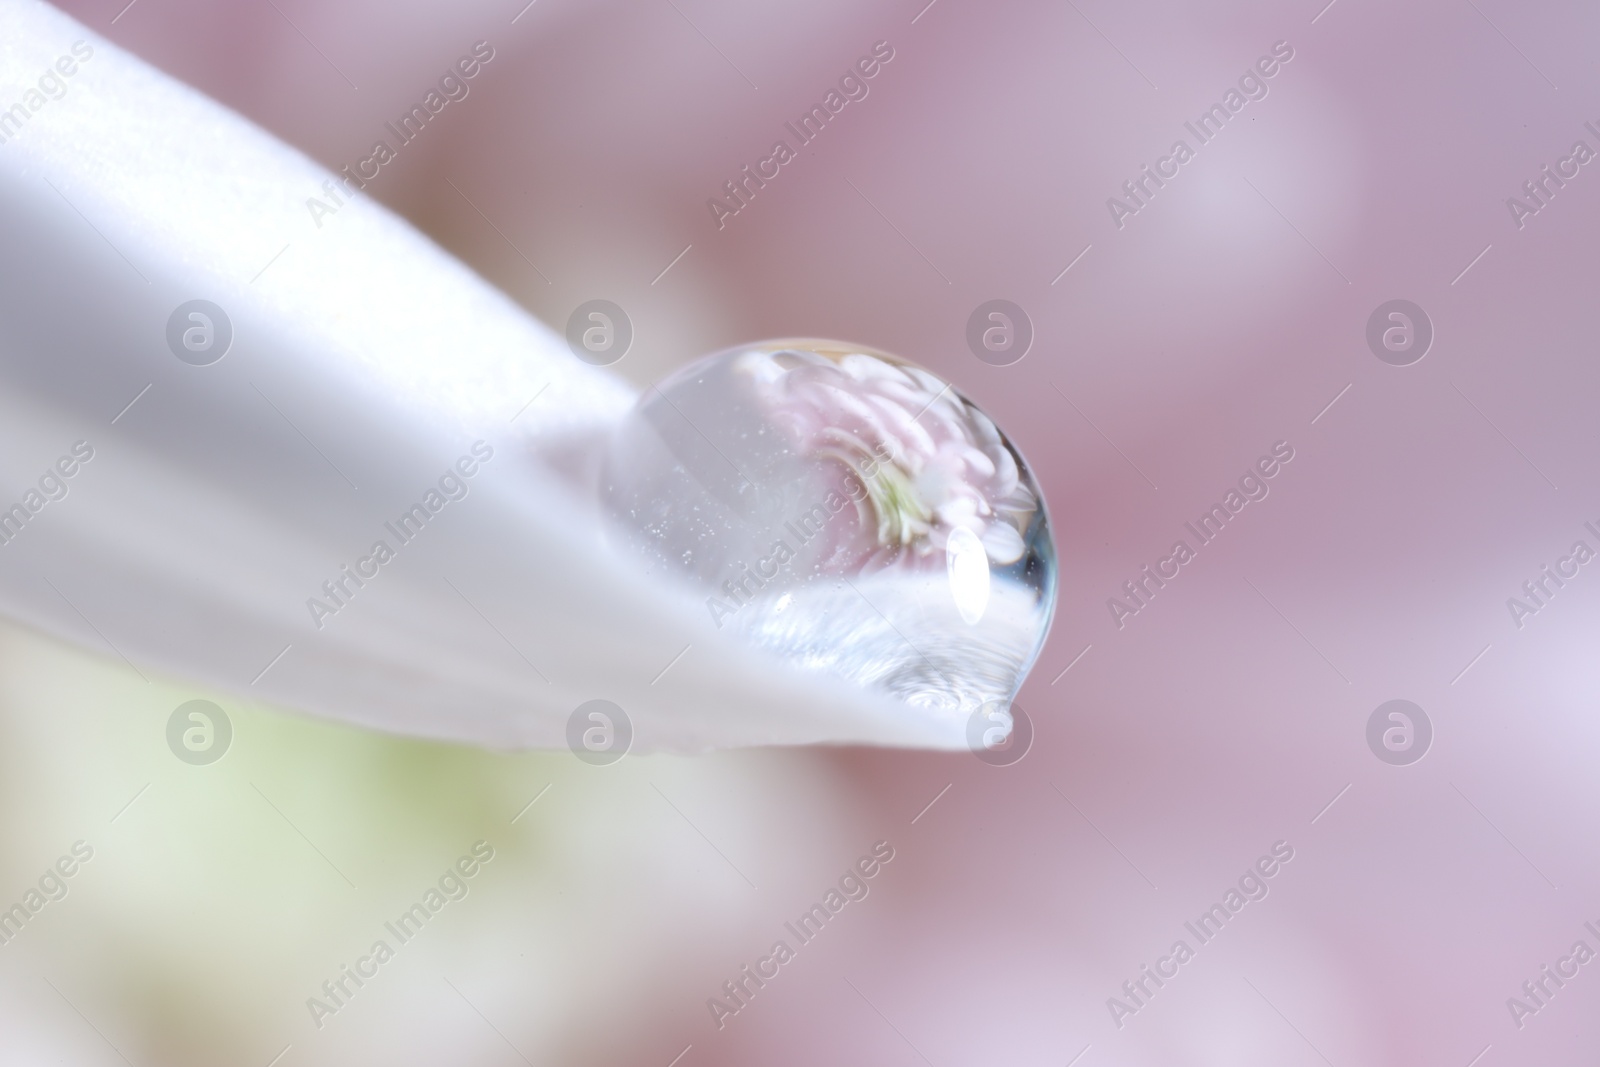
(218, 503)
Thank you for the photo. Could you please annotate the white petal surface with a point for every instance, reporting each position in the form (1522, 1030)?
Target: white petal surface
(364, 363)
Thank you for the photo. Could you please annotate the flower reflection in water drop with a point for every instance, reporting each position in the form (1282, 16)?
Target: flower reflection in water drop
(846, 510)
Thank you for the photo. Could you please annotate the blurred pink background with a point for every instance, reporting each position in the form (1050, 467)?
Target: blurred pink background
(1222, 318)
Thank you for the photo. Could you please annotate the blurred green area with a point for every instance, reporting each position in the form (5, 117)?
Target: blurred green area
(221, 896)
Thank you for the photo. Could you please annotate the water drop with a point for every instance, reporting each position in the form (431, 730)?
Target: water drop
(847, 510)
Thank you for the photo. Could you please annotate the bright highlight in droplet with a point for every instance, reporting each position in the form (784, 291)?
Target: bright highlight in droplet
(968, 566)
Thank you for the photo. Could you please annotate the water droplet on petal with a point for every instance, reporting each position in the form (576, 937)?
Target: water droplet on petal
(846, 510)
